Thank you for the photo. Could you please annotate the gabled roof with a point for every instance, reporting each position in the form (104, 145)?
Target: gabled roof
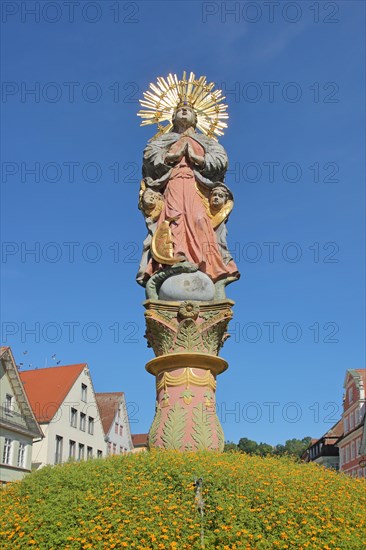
(140, 440)
(47, 388)
(108, 404)
(359, 376)
(20, 395)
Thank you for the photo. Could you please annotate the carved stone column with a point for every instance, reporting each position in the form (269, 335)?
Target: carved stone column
(186, 338)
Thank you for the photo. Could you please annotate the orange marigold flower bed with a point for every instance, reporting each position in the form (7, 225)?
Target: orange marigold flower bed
(147, 501)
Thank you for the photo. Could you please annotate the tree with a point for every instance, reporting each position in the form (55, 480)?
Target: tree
(294, 447)
(297, 446)
(248, 446)
(279, 449)
(230, 446)
(264, 449)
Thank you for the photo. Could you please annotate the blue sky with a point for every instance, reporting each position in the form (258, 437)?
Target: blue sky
(294, 80)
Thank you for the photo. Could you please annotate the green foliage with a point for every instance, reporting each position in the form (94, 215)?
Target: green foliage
(248, 446)
(230, 447)
(147, 501)
(293, 447)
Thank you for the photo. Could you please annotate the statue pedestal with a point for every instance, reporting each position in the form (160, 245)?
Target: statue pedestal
(186, 338)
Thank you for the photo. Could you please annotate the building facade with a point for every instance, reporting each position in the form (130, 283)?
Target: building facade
(140, 442)
(19, 427)
(114, 417)
(64, 403)
(350, 455)
(363, 441)
(324, 450)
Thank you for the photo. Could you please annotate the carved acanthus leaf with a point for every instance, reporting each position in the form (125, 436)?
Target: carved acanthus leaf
(174, 428)
(154, 428)
(159, 335)
(188, 336)
(202, 430)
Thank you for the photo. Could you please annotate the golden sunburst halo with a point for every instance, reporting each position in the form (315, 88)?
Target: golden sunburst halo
(167, 94)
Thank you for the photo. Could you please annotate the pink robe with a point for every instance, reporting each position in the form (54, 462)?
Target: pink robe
(192, 233)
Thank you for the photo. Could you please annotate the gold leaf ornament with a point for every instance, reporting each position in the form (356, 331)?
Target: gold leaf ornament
(187, 396)
(169, 93)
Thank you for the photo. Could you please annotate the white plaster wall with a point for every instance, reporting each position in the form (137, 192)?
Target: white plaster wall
(7, 474)
(6, 388)
(60, 425)
(124, 440)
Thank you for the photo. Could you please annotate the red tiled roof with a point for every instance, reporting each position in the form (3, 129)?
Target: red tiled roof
(336, 430)
(139, 440)
(334, 433)
(108, 404)
(47, 388)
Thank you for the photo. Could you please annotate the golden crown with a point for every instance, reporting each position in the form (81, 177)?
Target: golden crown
(170, 93)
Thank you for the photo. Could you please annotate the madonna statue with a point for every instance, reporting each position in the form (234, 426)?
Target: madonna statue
(184, 167)
(186, 263)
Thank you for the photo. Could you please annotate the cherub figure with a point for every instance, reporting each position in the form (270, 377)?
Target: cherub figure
(151, 204)
(220, 205)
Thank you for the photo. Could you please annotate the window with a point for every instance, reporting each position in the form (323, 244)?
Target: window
(73, 417)
(347, 453)
(345, 423)
(115, 428)
(91, 425)
(351, 421)
(84, 392)
(58, 454)
(114, 448)
(358, 447)
(82, 421)
(120, 450)
(8, 404)
(81, 451)
(7, 450)
(89, 452)
(21, 455)
(99, 453)
(352, 450)
(121, 430)
(72, 449)
(350, 395)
